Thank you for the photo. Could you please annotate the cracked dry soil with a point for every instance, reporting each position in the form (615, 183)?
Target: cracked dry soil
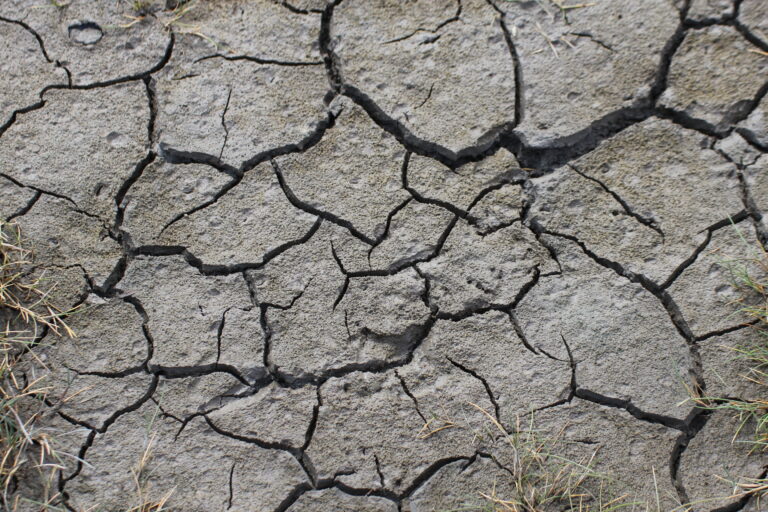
(347, 220)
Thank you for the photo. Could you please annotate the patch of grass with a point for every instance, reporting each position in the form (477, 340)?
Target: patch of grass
(28, 452)
(21, 295)
(749, 276)
(542, 480)
(175, 20)
(26, 310)
(141, 5)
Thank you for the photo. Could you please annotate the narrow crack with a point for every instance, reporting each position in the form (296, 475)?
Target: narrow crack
(750, 206)
(306, 207)
(387, 225)
(379, 472)
(231, 489)
(407, 391)
(588, 35)
(664, 297)
(213, 200)
(260, 60)
(342, 293)
(296, 453)
(696, 371)
(659, 84)
(456, 17)
(333, 482)
(627, 405)
(426, 200)
(517, 65)
(101, 429)
(645, 221)
(224, 124)
(175, 156)
(312, 426)
(120, 205)
(695, 422)
(485, 384)
(31, 31)
(124, 79)
(752, 139)
(410, 341)
(266, 445)
(690, 260)
(299, 490)
(23, 110)
(725, 19)
(572, 384)
(727, 330)
(749, 36)
(407, 263)
(27, 207)
(505, 308)
(142, 312)
(297, 10)
(219, 334)
(73, 204)
(220, 270)
(754, 211)
(426, 99)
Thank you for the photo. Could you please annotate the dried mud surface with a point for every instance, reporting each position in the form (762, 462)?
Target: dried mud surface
(341, 222)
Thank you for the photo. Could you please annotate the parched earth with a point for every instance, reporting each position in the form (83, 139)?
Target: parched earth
(311, 242)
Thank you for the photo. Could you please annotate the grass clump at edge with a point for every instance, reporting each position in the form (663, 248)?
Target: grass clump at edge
(543, 481)
(26, 445)
(749, 277)
(26, 310)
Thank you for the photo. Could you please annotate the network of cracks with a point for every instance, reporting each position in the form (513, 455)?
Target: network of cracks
(312, 243)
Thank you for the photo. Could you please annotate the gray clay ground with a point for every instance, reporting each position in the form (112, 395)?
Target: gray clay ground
(303, 231)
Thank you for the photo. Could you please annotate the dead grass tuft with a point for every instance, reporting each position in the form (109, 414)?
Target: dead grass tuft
(749, 276)
(542, 480)
(28, 452)
(26, 310)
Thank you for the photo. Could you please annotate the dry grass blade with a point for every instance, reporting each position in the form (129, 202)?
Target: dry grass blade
(429, 429)
(141, 476)
(175, 20)
(152, 506)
